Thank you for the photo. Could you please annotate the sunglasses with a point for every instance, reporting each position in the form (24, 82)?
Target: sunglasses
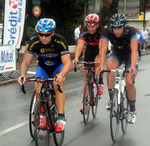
(119, 27)
(46, 35)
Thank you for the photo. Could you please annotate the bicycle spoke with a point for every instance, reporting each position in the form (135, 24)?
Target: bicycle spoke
(95, 99)
(114, 119)
(86, 104)
(125, 109)
(31, 115)
(42, 135)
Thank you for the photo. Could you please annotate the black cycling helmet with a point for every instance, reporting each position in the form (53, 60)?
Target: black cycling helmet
(118, 20)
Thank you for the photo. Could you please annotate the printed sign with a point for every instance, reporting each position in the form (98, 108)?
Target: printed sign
(7, 59)
(14, 18)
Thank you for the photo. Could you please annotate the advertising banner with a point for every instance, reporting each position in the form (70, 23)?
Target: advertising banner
(7, 59)
(14, 17)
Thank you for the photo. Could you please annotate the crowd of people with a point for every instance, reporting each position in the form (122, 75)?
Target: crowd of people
(54, 56)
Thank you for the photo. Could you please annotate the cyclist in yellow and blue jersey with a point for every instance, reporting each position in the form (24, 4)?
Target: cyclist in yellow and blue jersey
(53, 59)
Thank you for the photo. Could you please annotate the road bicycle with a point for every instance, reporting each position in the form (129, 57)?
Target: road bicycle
(119, 103)
(46, 102)
(90, 95)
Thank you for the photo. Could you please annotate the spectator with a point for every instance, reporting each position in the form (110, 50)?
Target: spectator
(140, 41)
(76, 33)
(145, 35)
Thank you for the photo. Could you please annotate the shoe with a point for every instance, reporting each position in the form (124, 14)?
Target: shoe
(81, 110)
(100, 89)
(108, 107)
(43, 121)
(60, 125)
(131, 117)
(143, 50)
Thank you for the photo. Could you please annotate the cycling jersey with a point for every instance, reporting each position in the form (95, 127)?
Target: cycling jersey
(49, 56)
(91, 41)
(120, 44)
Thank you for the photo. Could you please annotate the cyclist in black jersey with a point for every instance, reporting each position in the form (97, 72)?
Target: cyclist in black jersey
(124, 41)
(53, 59)
(91, 37)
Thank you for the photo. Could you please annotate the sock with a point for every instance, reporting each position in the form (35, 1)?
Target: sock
(132, 105)
(110, 91)
(61, 116)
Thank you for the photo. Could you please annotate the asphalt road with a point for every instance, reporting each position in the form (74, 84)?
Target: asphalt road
(14, 108)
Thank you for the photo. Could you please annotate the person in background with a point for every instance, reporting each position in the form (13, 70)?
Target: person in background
(145, 36)
(77, 33)
(140, 41)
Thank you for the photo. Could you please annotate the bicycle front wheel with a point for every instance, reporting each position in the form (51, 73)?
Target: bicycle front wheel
(125, 109)
(114, 118)
(31, 115)
(41, 134)
(58, 137)
(86, 104)
(95, 99)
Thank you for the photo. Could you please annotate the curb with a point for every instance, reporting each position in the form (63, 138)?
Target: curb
(11, 81)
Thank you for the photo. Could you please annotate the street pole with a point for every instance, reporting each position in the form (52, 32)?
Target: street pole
(144, 13)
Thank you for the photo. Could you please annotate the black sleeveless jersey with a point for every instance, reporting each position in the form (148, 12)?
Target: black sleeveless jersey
(48, 55)
(91, 40)
(120, 44)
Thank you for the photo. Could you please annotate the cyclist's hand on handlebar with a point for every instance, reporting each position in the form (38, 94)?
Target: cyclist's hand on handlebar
(98, 70)
(74, 62)
(21, 80)
(59, 79)
(133, 71)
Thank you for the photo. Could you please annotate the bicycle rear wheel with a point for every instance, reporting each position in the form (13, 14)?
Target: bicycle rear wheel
(31, 115)
(125, 109)
(94, 89)
(114, 118)
(86, 104)
(42, 135)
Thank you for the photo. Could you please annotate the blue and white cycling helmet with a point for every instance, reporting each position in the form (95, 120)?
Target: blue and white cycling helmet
(118, 20)
(45, 25)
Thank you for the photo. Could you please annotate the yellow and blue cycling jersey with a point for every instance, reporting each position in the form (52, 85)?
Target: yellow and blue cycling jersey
(49, 56)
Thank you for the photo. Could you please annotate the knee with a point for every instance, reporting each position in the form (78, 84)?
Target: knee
(129, 84)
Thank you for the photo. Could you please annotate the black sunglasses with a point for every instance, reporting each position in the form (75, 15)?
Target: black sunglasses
(119, 27)
(46, 35)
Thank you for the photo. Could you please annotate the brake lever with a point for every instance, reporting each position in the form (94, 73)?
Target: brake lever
(133, 80)
(22, 86)
(58, 86)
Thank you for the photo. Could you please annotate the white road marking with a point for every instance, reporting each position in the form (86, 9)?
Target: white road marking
(5, 131)
(31, 72)
(13, 128)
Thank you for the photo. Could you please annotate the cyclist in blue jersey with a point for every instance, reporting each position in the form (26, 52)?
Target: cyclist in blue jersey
(53, 59)
(125, 45)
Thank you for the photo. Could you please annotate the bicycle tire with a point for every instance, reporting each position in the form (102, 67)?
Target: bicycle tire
(86, 103)
(114, 117)
(59, 138)
(95, 98)
(31, 114)
(42, 135)
(125, 107)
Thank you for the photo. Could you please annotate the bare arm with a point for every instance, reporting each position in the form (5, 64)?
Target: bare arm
(27, 58)
(66, 68)
(134, 48)
(103, 45)
(79, 48)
